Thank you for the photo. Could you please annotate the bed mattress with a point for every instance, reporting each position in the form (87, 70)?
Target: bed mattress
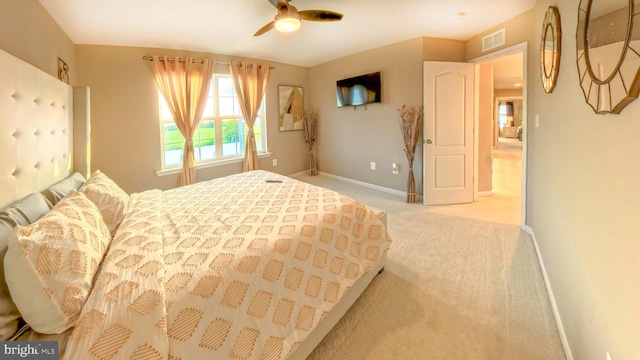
(241, 267)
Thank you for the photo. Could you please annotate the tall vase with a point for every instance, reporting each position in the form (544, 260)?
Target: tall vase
(411, 185)
(312, 163)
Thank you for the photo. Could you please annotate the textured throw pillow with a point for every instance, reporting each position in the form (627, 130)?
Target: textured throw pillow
(50, 264)
(22, 212)
(59, 190)
(108, 196)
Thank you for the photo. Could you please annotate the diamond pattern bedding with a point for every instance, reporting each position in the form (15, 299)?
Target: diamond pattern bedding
(232, 268)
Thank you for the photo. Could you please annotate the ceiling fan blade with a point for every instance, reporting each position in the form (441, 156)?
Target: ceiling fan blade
(279, 4)
(320, 15)
(265, 28)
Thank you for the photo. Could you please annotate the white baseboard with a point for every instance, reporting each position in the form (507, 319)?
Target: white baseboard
(552, 299)
(365, 184)
(301, 173)
(485, 193)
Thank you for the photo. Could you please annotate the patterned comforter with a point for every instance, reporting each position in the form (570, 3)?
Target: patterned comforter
(232, 268)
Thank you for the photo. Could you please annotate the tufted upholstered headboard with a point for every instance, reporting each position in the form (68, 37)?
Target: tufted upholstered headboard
(36, 129)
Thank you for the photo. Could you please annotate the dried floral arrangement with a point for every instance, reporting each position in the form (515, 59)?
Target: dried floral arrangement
(310, 127)
(410, 125)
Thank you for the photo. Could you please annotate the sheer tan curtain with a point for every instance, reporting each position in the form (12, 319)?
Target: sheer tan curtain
(250, 81)
(184, 83)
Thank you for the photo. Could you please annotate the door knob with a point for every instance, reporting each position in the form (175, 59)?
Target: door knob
(429, 141)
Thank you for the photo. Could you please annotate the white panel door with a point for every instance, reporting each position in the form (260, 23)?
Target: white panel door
(448, 132)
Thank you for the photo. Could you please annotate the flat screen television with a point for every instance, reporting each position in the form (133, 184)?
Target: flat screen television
(359, 90)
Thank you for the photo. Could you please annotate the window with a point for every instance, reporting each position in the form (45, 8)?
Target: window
(221, 132)
(502, 115)
(505, 114)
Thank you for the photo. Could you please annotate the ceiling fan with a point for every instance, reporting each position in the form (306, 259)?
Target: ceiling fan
(288, 18)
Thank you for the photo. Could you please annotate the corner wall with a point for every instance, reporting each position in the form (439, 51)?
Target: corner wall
(484, 73)
(125, 128)
(28, 32)
(350, 139)
(582, 197)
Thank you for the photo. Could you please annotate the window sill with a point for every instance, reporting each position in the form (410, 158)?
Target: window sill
(178, 170)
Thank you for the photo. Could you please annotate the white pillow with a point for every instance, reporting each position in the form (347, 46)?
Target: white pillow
(50, 264)
(109, 197)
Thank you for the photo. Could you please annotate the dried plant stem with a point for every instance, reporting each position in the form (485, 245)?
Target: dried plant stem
(310, 127)
(411, 187)
(312, 163)
(410, 124)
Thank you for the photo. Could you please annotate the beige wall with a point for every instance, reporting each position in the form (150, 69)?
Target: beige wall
(350, 139)
(124, 117)
(516, 33)
(582, 202)
(508, 92)
(28, 32)
(582, 198)
(437, 49)
(485, 116)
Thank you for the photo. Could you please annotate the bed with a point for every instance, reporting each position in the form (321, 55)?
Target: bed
(250, 266)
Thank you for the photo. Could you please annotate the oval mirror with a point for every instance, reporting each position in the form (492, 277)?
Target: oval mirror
(550, 48)
(608, 53)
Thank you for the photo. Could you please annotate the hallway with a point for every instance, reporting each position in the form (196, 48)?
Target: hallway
(507, 168)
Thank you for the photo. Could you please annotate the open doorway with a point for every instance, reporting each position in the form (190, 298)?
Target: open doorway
(501, 147)
(507, 145)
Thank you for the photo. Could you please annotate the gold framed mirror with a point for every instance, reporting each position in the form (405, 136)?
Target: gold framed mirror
(550, 48)
(608, 54)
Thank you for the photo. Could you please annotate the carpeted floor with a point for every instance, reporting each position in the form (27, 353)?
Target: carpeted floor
(461, 282)
(507, 168)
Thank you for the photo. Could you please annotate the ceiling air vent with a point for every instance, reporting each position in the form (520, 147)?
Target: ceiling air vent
(493, 40)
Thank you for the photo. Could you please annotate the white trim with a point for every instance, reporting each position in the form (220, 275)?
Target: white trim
(298, 174)
(476, 130)
(178, 170)
(368, 185)
(522, 47)
(554, 306)
(485, 193)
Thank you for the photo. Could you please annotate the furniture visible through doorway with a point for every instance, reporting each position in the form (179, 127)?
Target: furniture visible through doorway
(509, 131)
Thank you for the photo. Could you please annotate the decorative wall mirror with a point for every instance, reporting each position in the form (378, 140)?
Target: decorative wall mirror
(608, 53)
(550, 48)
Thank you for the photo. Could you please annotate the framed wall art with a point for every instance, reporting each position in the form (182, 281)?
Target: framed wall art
(291, 107)
(63, 71)
(608, 54)
(550, 49)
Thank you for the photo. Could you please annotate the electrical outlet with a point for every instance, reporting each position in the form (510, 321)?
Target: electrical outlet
(537, 120)
(275, 162)
(395, 168)
(373, 165)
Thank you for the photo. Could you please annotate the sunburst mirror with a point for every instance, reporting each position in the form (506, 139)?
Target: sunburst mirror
(608, 53)
(550, 48)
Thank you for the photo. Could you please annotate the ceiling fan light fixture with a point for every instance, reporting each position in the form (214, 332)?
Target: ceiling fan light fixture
(287, 24)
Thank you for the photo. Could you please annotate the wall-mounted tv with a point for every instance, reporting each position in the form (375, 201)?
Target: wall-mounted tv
(359, 90)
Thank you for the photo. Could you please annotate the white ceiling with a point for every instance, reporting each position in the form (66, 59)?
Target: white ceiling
(227, 27)
(508, 72)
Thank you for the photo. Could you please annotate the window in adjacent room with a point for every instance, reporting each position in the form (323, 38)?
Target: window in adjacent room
(221, 132)
(505, 114)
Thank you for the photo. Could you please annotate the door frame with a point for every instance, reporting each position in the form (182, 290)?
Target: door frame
(518, 48)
